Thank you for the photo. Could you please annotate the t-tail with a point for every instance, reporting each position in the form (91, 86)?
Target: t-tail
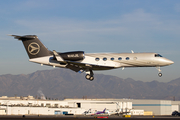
(33, 46)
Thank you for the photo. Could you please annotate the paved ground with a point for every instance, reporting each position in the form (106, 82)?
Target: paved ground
(58, 117)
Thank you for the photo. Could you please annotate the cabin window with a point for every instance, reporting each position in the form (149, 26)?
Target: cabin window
(97, 59)
(127, 58)
(112, 59)
(104, 58)
(158, 55)
(120, 58)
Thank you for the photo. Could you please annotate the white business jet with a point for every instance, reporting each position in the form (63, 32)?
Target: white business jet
(79, 61)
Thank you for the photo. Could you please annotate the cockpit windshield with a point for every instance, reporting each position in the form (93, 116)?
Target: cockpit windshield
(158, 55)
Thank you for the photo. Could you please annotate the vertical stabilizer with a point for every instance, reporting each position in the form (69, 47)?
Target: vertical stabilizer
(104, 110)
(33, 46)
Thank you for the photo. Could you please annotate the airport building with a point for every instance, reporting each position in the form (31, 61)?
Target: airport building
(31, 106)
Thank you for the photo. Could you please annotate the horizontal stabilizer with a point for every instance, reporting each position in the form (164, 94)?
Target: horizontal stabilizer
(58, 57)
(24, 37)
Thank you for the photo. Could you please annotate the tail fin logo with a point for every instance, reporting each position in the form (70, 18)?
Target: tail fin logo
(33, 48)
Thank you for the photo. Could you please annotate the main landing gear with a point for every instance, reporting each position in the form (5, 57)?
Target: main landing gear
(159, 70)
(89, 75)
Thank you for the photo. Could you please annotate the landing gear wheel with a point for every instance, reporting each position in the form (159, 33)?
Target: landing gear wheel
(88, 76)
(159, 74)
(91, 78)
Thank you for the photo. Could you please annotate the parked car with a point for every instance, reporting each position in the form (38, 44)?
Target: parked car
(175, 113)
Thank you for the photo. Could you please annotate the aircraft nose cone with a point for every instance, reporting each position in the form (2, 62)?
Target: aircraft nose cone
(170, 62)
(165, 61)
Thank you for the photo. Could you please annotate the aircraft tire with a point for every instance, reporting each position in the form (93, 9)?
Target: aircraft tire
(91, 78)
(88, 76)
(159, 74)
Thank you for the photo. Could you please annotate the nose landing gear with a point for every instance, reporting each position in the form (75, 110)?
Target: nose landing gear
(159, 74)
(159, 70)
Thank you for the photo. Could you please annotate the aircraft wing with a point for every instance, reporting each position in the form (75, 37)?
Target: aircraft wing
(76, 66)
(73, 67)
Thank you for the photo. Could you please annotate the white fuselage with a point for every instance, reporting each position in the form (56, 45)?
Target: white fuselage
(104, 61)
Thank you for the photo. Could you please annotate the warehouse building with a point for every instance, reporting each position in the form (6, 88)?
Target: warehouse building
(31, 106)
(150, 107)
(157, 107)
(100, 105)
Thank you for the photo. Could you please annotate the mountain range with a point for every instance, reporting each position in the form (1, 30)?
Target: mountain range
(63, 83)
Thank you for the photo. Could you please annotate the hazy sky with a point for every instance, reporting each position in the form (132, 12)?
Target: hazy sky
(92, 26)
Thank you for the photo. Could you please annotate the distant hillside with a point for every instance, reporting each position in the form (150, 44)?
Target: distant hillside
(63, 83)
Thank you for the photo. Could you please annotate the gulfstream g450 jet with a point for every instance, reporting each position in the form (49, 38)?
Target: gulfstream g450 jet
(79, 61)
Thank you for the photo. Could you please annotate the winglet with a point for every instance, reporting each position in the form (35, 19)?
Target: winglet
(58, 57)
(122, 68)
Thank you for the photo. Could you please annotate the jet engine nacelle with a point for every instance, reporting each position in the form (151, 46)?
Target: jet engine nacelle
(73, 56)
